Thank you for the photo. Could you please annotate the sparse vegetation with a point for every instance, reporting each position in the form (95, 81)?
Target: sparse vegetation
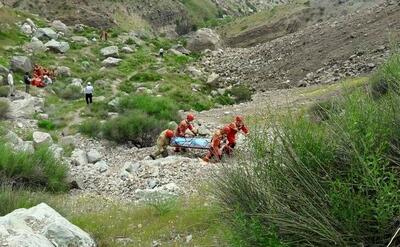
(39, 170)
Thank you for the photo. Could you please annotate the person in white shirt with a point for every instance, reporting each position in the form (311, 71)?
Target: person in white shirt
(161, 52)
(89, 93)
(10, 80)
(47, 80)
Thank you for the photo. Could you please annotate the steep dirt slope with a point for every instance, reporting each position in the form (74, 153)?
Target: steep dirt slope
(322, 53)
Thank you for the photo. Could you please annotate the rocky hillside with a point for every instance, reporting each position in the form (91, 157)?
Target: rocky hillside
(166, 16)
(321, 53)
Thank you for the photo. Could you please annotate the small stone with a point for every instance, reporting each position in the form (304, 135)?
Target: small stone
(93, 156)
(41, 138)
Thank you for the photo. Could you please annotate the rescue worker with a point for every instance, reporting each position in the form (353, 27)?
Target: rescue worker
(27, 81)
(162, 143)
(234, 128)
(183, 126)
(216, 142)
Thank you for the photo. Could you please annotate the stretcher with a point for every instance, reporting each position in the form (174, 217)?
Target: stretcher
(190, 142)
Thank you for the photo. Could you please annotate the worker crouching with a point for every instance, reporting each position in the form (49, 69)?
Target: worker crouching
(183, 126)
(163, 142)
(216, 143)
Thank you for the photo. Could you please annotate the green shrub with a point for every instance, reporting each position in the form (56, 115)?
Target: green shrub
(241, 93)
(4, 107)
(70, 92)
(322, 110)
(4, 91)
(91, 128)
(37, 170)
(46, 125)
(136, 126)
(387, 78)
(157, 107)
(146, 76)
(224, 100)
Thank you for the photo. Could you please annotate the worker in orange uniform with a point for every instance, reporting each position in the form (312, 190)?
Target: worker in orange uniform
(216, 142)
(162, 143)
(234, 128)
(183, 126)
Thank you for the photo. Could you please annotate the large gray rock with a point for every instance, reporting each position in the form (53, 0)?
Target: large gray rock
(41, 226)
(101, 166)
(18, 144)
(79, 157)
(21, 63)
(80, 40)
(41, 138)
(93, 156)
(59, 26)
(181, 49)
(46, 33)
(203, 39)
(127, 49)
(110, 51)
(57, 151)
(31, 23)
(63, 71)
(25, 108)
(35, 46)
(56, 46)
(213, 79)
(196, 73)
(111, 62)
(26, 29)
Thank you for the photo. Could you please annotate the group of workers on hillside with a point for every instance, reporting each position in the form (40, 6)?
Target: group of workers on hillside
(223, 140)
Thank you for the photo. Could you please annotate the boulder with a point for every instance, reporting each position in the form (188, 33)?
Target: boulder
(31, 23)
(41, 226)
(127, 49)
(25, 107)
(111, 62)
(175, 52)
(101, 166)
(21, 63)
(76, 82)
(110, 51)
(80, 40)
(213, 79)
(79, 157)
(41, 138)
(56, 46)
(114, 103)
(57, 150)
(46, 33)
(132, 167)
(18, 144)
(26, 29)
(67, 141)
(196, 73)
(35, 46)
(203, 39)
(59, 26)
(93, 156)
(63, 71)
(181, 49)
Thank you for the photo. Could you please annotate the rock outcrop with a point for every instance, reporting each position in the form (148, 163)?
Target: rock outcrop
(41, 226)
(203, 39)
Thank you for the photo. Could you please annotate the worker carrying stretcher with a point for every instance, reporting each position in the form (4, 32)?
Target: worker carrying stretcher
(183, 126)
(234, 128)
(163, 142)
(216, 142)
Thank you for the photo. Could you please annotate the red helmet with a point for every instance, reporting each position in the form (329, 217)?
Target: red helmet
(239, 119)
(226, 129)
(190, 117)
(169, 134)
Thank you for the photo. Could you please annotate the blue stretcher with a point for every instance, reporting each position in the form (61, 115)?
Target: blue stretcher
(190, 142)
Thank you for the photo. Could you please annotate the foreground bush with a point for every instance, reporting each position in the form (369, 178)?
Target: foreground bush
(332, 182)
(135, 126)
(38, 170)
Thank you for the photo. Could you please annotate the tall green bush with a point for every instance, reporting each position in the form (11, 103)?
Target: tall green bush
(38, 170)
(323, 183)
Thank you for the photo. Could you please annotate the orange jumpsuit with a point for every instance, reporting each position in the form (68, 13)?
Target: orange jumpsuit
(234, 127)
(181, 131)
(215, 149)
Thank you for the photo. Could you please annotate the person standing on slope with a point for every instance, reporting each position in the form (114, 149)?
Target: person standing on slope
(89, 93)
(183, 126)
(162, 143)
(27, 81)
(234, 128)
(10, 80)
(216, 142)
